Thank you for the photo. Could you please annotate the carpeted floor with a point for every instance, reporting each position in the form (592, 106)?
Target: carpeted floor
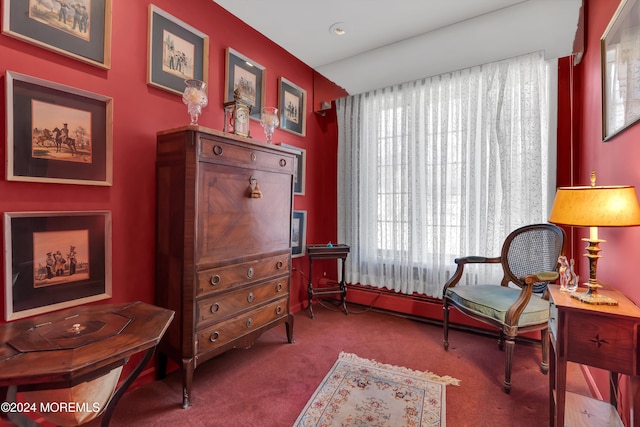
(269, 384)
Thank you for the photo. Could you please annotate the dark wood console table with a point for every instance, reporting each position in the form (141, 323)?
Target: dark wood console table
(602, 336)
(67, 348)
(339, 288)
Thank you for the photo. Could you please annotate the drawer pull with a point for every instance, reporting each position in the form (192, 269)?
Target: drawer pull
(214, 336)
(279, 287)
(283, 162)
(249, 322)
(254, 157)
(214, 308)
(278, 309)
(279, 265)
(250, 272)
(254, 189)
(217, 150)
(250, 297)
(214, 280)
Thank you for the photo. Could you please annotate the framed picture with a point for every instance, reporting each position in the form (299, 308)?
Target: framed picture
(299, 171)
(293, 107)
(248, 77)
(80, 29)
(57, 133)
(620, 56)
(55, 260)
(176, 52)
(298, 233)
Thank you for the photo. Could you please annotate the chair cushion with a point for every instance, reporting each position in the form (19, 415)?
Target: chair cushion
(494, 301)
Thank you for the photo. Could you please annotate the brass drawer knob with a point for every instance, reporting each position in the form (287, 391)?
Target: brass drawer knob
(254, 157)
(214, 280)
(214, 336)
(278, 309)
(279, 265)
(279, 287)
(249, 322)
(217, 150)
(214, 308)
(283, 162)
(250, 297)
(250, 272)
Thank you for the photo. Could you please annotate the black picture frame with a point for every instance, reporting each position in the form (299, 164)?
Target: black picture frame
(620, 61)
(32, 285)
(299, 172)
(176, 52)
(298, 233)
(39, 151)
(248, 77)
(292, 103)
(84, 34)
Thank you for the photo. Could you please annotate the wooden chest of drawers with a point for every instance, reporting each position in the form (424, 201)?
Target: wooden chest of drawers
(223, 256)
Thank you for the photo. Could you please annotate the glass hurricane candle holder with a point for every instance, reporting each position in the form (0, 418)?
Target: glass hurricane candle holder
(195, 98)
(269, 121)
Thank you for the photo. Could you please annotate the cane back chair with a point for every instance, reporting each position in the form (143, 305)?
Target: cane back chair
(529, 259)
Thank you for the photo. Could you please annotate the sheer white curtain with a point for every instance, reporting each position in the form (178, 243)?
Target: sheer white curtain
(440, 168)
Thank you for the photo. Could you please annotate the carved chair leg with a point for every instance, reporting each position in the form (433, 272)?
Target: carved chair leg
(501, 340)
(544, 366)
(510, 341)
(445, 325)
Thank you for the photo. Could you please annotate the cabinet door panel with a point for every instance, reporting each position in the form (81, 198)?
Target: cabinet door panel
(231, 223)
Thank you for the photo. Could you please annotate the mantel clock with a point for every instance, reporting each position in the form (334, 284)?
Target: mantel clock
(236, 116)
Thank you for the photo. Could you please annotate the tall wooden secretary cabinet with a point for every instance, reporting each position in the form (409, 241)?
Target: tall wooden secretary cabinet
(223, 243)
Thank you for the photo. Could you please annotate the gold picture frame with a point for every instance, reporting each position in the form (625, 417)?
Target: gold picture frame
(55, 260)
(620, 60)
(176, 52)
(81, 31)
(57, 133)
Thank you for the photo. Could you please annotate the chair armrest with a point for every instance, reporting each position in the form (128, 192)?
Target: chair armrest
(477, 260)
(461, 262)
(541, 276)
(513, 314)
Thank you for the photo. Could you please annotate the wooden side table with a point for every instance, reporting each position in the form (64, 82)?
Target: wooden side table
(327, 252)
(67, 348)
(601, 336)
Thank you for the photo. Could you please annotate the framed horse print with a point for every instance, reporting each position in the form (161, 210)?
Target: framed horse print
(56, 133)
(55, 260)
(80, 29)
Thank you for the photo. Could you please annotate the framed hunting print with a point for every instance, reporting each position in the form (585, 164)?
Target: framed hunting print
(57, 133)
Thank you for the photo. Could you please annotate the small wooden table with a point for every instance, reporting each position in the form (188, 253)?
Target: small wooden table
(63, 349)
(601, 336)
(327, 252)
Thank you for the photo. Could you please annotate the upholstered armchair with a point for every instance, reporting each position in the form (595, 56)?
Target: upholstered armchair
(529, 260)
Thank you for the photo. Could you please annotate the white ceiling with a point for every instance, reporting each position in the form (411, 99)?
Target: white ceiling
(395, 41)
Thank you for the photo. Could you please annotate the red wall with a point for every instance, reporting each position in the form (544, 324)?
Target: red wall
(581, 151)
(614, 161)
(141, 110)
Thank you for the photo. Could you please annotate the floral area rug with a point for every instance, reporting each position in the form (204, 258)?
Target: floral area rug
(362, 392)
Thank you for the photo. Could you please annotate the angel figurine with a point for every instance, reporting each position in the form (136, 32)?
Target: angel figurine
(573, 278)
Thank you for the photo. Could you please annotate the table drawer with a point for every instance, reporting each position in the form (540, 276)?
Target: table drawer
(219, 279)
(599, 341)
(229, 330)
(219, 306)
(255, 158)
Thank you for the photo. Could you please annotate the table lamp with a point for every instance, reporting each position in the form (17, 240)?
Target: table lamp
(595, 206)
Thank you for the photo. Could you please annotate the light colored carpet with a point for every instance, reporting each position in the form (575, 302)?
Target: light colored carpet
(363, 392)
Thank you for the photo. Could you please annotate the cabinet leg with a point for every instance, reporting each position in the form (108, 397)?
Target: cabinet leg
(187, 380)
(289, 326)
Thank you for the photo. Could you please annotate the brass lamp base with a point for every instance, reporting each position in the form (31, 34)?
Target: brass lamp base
(593, 297)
